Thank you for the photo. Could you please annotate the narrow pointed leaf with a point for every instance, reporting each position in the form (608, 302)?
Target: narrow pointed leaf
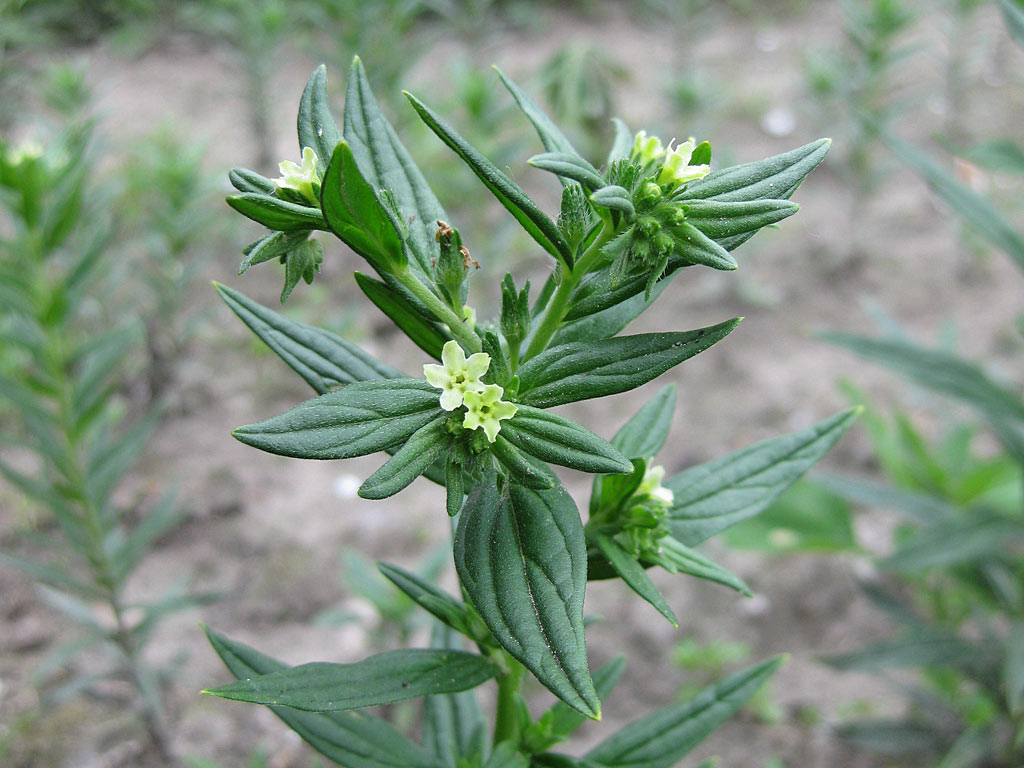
(430, 598)
(635, 576)
(537, 223)
(679, 558)
(694, 246)
(522, 560)
(645, 433)
(316, 127)
(1013, 667)
(711, 497)
(551, 137)
(622, 144)
(730, 223)
(425, 334)
(582, 370)
(352, 421)
(453, 723)
(895, 737)
(664, 737)
(612, 320)
(557, 440)
(272, 246)
(410, 461)
(560, 719)
(352, 739)
(506, 755)
(245, 180)
(917, 647)
(978, 537)
(521, 467)
(569, 166)
(275, 213)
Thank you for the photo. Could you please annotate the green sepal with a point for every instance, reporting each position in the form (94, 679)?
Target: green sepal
(425, 334)
(533, 219)
(410, 461)
(273, 245)
(274, 213)
(354, 420)
(355, 739)
(711, 497)
(633, 573)
(729, 223)
(435, 601)
(558, 440)
(664, 737)
(582, 370)
(521, 467)
(316, 127)
(701, 154)
(245, 180)
(386, 678)
(322, 359)
(522, 559)
(454, 484)
(615, 198)
(301, 263)
(695, 247)
(355, 214)
(569, 166)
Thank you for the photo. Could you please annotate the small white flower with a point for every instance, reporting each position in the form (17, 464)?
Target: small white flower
(676, 169)
(652, 488)
(646, 149)
(300, 178)
(458, 376)
(485, 409)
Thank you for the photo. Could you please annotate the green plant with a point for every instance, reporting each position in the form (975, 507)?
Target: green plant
(478, 423)
(73, 435)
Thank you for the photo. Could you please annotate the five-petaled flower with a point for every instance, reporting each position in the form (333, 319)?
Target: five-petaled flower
(652, 488)
(676, 169)
(646, 148)
(485, 409)
(300, 178)
(458, 376)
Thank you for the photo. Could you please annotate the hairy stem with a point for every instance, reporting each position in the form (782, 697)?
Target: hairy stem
(506, 722)
(457, 325)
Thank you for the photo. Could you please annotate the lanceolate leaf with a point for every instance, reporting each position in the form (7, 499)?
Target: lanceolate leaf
(1013, 667)
(559, 441)
(645, 433)
(560, 719)
(453, 723)
(1013, 15)
(272, 246)
(695, 247)
(550, 135)
(274, 213)
(316, 126)
(678, 558)
(245, 180)
(635, 576)
(521, 467)
(322, 359)
(974, 537)
(522, 559)
(622, 144)
(664, 737)
(612, 320)
(533, 219)
(432, 599)
(569, 166)
(425, 334)
(728, 222)
(710, 497)
(917, 647)
(353, 739)
(582, 370)
(357, 419)
(410, 461)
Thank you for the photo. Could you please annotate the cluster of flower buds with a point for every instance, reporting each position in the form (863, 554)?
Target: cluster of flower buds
(643, 524)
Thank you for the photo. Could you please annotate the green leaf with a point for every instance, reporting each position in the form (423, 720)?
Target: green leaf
(569, 166)
(980, 213)
(921, 646)
(731, 223)
(352, 739)
(386, 164)
(664, 737)
(302, 263)
(357, 419)
(521, 467)
(615, 198)
(559, 720)
(533, 219)
(1013, 15)
(410, 461)
(430, 598)
(922, 507)
(774, 178)
(894, 737)
(275, 213)
(356, 216)
(622, 144)
(635, 576)
(506, 755)
(551, 137)
(271, 246)
(974, 538)
(245, 180)
(711, 497)
(316, 127)
(424, 333)
(582, 370)
(557, 440)
(695, 247)
(382, 679)
(612, 320)
(645, 433)
(678, 558)
(803, 519)
(453, 723)
(323, 360)
(522, 559)
(1013, 667)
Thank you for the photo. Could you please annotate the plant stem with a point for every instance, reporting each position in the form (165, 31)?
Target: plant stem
(506, 721)
(457, 325)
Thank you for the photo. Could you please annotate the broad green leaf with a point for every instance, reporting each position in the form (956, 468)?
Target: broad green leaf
(275, 213)
(551, 137)
(245, 180)
(774, 178)
(410, 461)
(382, 679)
(695, 247)
(273, 245)
(664, 737)
(711, 497)
(425, 334)
(635, 576)
(976, 537)
(352, 739)
(615, 198)
(522, 559)
(453, 723)
(731, 223)
(537, 223)
(316, 127)
(356, 216)
(557, 440)
(354, 420)
(430, 598)
(645, 433)
(521, 467)
(386, 164)
(965, 202)
(323, 360)
(559, 720)
(679, 558)
(582, 370)
(569, 166)
(1013, 667)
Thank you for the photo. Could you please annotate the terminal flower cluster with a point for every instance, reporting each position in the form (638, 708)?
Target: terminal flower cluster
(459, 380)
(302, 180)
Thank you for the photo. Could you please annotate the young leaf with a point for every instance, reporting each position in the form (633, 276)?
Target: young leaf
(453, 723)
(521, 467)
(382, 679)
(678, 558)
(645, 433)
(695, 247)
(506, 755)
(322, 359)
(710, 497)
(560, 719)
(430, 598)
(274, 213)
(636, 578)
(730, 224)
(622, 144)
(410, 461)
(356, 739)
(425, 334)
(245, 180)
(557, 440)
(582, 370)
(971, 538)
(316, 126)
(614, 198)
(273, 245)
(522, 560)
(533, 219)
(357, 419)
(664, 737)
(917, 647)
(612, 320)
(551, 137)
(569, 166)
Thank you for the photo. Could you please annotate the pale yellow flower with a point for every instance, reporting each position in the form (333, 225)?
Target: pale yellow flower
(300, 178)
(676, 169)
(652, 488)
(458, 376)
(486, 409)
(646, 149)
